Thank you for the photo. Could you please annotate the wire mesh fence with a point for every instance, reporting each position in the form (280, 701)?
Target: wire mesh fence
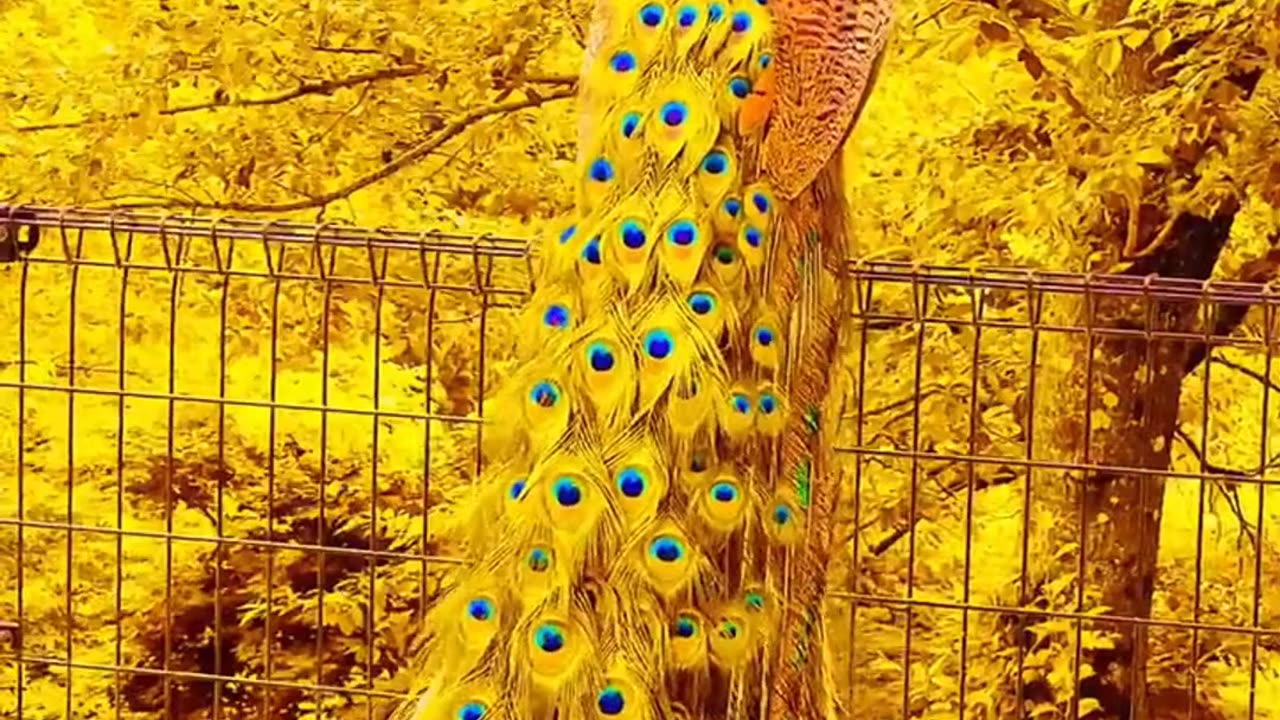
(226, 445)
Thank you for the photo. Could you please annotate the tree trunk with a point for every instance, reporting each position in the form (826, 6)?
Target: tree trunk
(1129, 388)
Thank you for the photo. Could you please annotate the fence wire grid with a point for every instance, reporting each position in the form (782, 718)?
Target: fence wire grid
(226, 445)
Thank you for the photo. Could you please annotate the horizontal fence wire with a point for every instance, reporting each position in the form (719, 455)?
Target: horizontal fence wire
(228, 445)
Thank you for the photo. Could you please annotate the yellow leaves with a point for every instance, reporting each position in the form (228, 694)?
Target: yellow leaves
(1109, 56)
(1162, 39)
(1136, 38)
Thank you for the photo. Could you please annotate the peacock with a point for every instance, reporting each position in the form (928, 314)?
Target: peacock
(651, 536)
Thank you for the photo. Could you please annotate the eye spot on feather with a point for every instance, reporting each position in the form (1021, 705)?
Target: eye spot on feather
(741, 21)
(715, 13)
(632, 235)
(716, 162)
(728, 629)
(754, 236)
(764, 336)
(631, 483)
(686, 627)
(567, 492)
(733, 206)
(781, 515)
(568, 234)
(472, 711)
(768, 404)
(539, 560)
(724, 492)
(741, 404)
(591, 251)
(761, 201)
(725, 255)
(740, 87)
(701, 303)
(556, 316)
(517, 489)
(682, 233)
(480, 609)
(658, 344)
(755, 601)
(630, 123)
(549, 638)
(687, 16)
(674, 113)
(667, 549)
(601, 170)
(545, 394)
(766, 59)
(652, 14)
(610, 701)
(623, 61)
(600, 357)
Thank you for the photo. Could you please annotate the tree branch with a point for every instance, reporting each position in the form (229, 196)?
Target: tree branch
(417, 152)
(1228, 317)
(321, 87)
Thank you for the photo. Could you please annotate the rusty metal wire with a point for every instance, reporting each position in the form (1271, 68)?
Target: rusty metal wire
(917, 448)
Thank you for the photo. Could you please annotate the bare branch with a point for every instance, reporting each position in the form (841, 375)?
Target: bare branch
(411, 156)
(321, 87)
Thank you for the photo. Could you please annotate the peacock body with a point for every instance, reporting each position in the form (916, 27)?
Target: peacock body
(650, 539)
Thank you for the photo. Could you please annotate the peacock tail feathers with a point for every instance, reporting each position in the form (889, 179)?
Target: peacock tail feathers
(649, 540)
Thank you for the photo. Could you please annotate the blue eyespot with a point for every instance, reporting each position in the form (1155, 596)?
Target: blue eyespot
(764, 336)
(768, 404)
(741, 404)
(733, 206)
(687, 17)
(517, 489)
(610, 701)
(762, 2)
(567, 492)
(600, 357)
(674, 113)
(631, 483)
(630, 122)
(686, 627)
(658, 344)
(781, 515)
(740, 87)
(761, 201)
(701, 303)
(545, 394)
(667, 549)
(480, 609)
(623, 61)
(682, 233)
(715, 13)
(539, 560)
(633, 235)
(741, 21)
(556, 316)
(591, 251)
(753, 236)
(549, 638)
(766, 60)
(472, 711)
(568, 234)
(601, 170)
(724, 492)
(651, 15)
(716, 162)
